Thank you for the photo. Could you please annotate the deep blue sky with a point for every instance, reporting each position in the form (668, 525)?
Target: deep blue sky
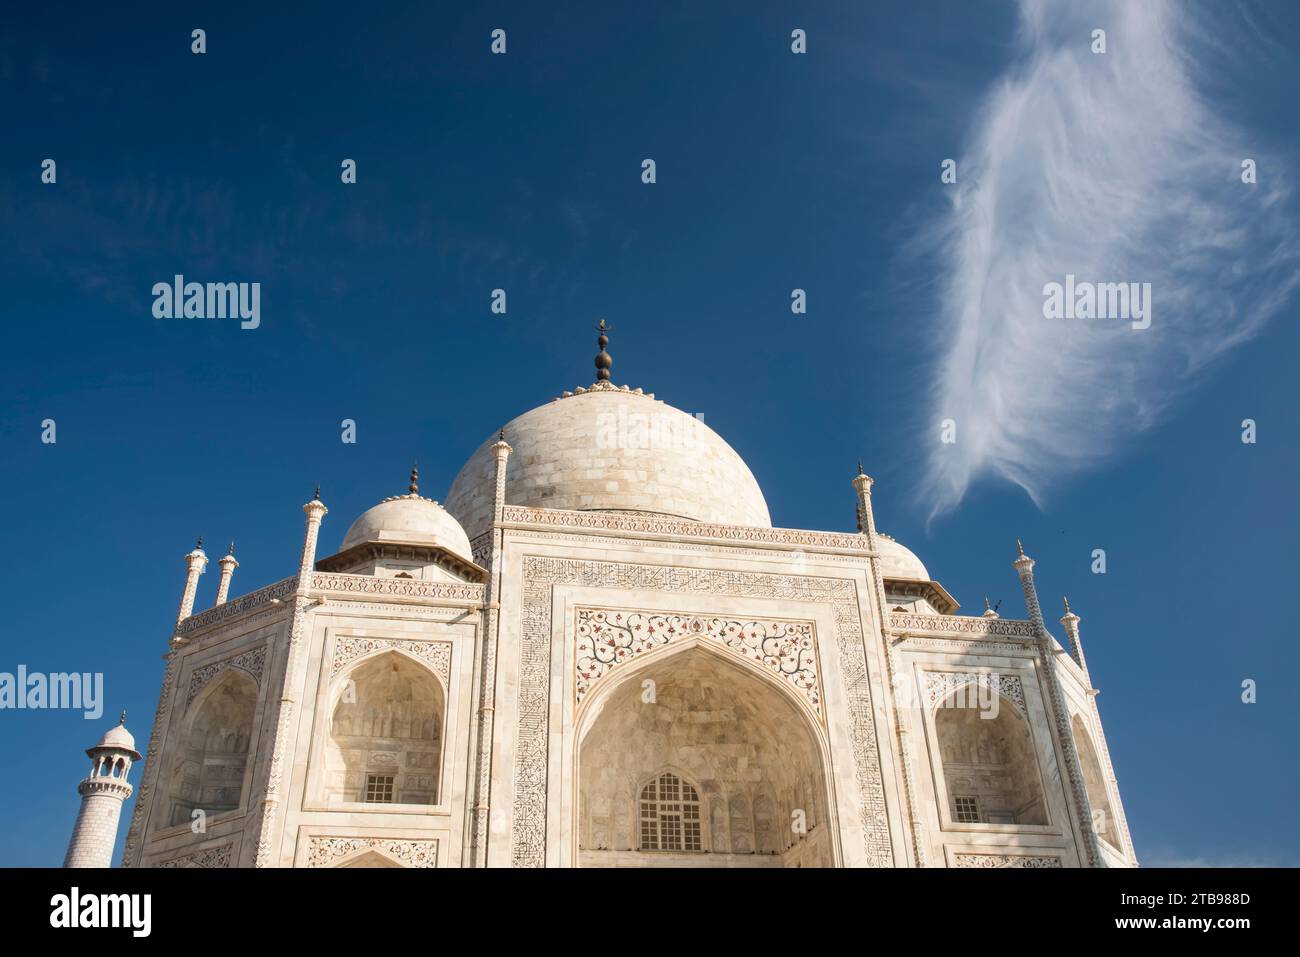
(521, 171)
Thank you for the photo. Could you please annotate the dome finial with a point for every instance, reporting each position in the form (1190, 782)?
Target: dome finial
(1020, 548)
(603, 360)
(199, 542)
(316, 497)
(122, 720)
(415, 478)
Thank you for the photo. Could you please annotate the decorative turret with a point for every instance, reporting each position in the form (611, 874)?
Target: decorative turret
(315, 510)
(862, 482)
(501, 449)
(1024, 566)
(102, 792)
(1070, 621)
(228, 566)
(195, 564)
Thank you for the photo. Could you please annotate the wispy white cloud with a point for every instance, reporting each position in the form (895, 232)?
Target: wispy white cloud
(1113, 167)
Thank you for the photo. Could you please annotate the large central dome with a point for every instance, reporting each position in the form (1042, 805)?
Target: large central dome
(611, 449)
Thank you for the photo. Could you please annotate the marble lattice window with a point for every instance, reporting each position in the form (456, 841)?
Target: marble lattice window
(379, 789)
(670, 815)
(968, 810)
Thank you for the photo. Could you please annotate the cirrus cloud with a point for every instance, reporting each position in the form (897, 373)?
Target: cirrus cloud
(1113, 167)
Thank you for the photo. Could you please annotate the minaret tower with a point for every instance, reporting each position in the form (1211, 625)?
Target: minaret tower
(102, 792)
(196, 562)
(228, 566)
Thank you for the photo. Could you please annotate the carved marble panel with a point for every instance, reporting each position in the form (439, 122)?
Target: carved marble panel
(940, 684)
(660, 525)
(961, 625)
(1004, 860)
(396, 587)
(348, 649)
(327, 851)
(607, 638)
(236, 607)
(250, 662)
(209, 857)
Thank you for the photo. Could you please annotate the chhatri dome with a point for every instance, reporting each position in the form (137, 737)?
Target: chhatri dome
(611, 448)
(899, 561)
(408, 519)
(117, 737)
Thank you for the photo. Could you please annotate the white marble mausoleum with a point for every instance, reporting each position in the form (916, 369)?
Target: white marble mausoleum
(598, 651)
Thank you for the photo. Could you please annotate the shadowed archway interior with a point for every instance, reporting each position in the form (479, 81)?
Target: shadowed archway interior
(1094, 782)
(696, 761)
(209, 775)
(989, 764)
(386, 733)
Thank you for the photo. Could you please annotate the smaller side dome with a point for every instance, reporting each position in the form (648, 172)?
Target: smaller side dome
(409, 520)
(898, 561)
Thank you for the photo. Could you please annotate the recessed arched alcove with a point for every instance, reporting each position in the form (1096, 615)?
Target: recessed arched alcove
(989, 765)
(386, 734)
(208, 774)
(693, 759)
(1094, 783)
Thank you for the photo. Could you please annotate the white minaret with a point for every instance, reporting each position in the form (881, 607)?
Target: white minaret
(195, 564)
(228, 566)
(102, 792)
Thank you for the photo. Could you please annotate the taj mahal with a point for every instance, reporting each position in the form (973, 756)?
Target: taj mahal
(597, 651)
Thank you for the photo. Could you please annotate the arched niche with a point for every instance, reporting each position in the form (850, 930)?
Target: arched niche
(990, 768)
(1094, 782)
(749, 755)
(386, 733)
(208, 774)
